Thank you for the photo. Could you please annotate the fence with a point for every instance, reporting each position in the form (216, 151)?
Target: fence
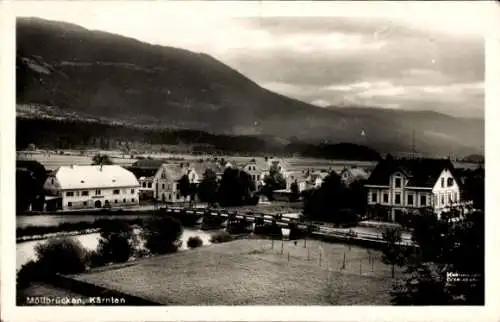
(341, 258)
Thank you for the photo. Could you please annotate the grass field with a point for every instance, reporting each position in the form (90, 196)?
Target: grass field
(250, 272)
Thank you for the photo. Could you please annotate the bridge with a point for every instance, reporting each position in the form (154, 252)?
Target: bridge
(255, 222)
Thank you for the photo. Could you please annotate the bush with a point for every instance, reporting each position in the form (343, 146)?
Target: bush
(117, 242)
(221, 237)
(61, 255)
(161, 235)
(28, 273)
(194, 242)
(96, 259)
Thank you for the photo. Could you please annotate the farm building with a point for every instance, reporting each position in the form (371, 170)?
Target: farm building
(91, 186)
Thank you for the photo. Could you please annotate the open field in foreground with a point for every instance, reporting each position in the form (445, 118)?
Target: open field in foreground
(251, 272)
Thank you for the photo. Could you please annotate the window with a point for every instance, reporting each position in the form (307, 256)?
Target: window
(169, 196)
(455, 196)
(69, 194)
(150, 184)
(374, 197)
(116, 201)
(98, 192)
(386, 198)
(144, 184)
(116, 192)
(163, 186)
(442, 182)
(84, 203)
(133, 200)
(423, 200)
(442, 199)
(178, 196)
(52, 181)
(410, 200)
(397, 182)
(70, 204)
(449, 182)
(124, 200)
(397, 198)
(132, 191)
(85, 193)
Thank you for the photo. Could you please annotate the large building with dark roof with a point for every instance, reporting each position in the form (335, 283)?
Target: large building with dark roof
(404, 185)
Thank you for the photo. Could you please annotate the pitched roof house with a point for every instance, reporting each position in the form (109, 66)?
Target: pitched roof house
(93, 186)
(349, 175)
(403, 185)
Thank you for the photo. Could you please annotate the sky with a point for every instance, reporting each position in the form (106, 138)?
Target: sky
(413, 56)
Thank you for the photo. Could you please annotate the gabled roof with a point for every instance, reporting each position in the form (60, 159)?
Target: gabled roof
(95, 176)
(357, 173)
(421, 172)
(175, 171)
(283, 163)
(260, 164)
(201, 167)
(142, 172)
(148, 164)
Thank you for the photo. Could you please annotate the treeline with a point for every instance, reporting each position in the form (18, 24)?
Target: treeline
(71, 134)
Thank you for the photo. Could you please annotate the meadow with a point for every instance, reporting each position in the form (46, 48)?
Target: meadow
(254, 272)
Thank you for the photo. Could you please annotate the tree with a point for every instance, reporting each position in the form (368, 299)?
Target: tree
(295, 193)
(273, 181)
(194, 242)
(207, 190)
(236, 188)
(117, 242)
(101, 159)
(329, 202)
(187, 188)
(445, 247)
(61, 255)
(393, 252)
(161, 235)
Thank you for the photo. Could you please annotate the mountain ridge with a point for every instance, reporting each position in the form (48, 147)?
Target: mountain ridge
(108, 75)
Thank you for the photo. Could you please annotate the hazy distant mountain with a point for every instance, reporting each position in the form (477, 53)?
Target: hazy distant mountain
(100, 74)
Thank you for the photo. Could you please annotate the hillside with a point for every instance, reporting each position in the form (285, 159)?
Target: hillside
(93, 74)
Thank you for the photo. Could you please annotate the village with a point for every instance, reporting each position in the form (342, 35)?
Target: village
(397, 186)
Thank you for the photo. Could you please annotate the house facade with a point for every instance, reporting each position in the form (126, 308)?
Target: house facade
(352, 174)
(404, 186)
(87, 187)
(257, 169)
(160, 181)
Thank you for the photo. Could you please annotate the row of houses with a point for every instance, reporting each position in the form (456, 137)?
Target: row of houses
(80, 187)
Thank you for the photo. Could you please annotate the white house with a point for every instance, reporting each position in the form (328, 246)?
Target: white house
(257, 169)
(160, 181)
(406, 185)
(93, 186)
